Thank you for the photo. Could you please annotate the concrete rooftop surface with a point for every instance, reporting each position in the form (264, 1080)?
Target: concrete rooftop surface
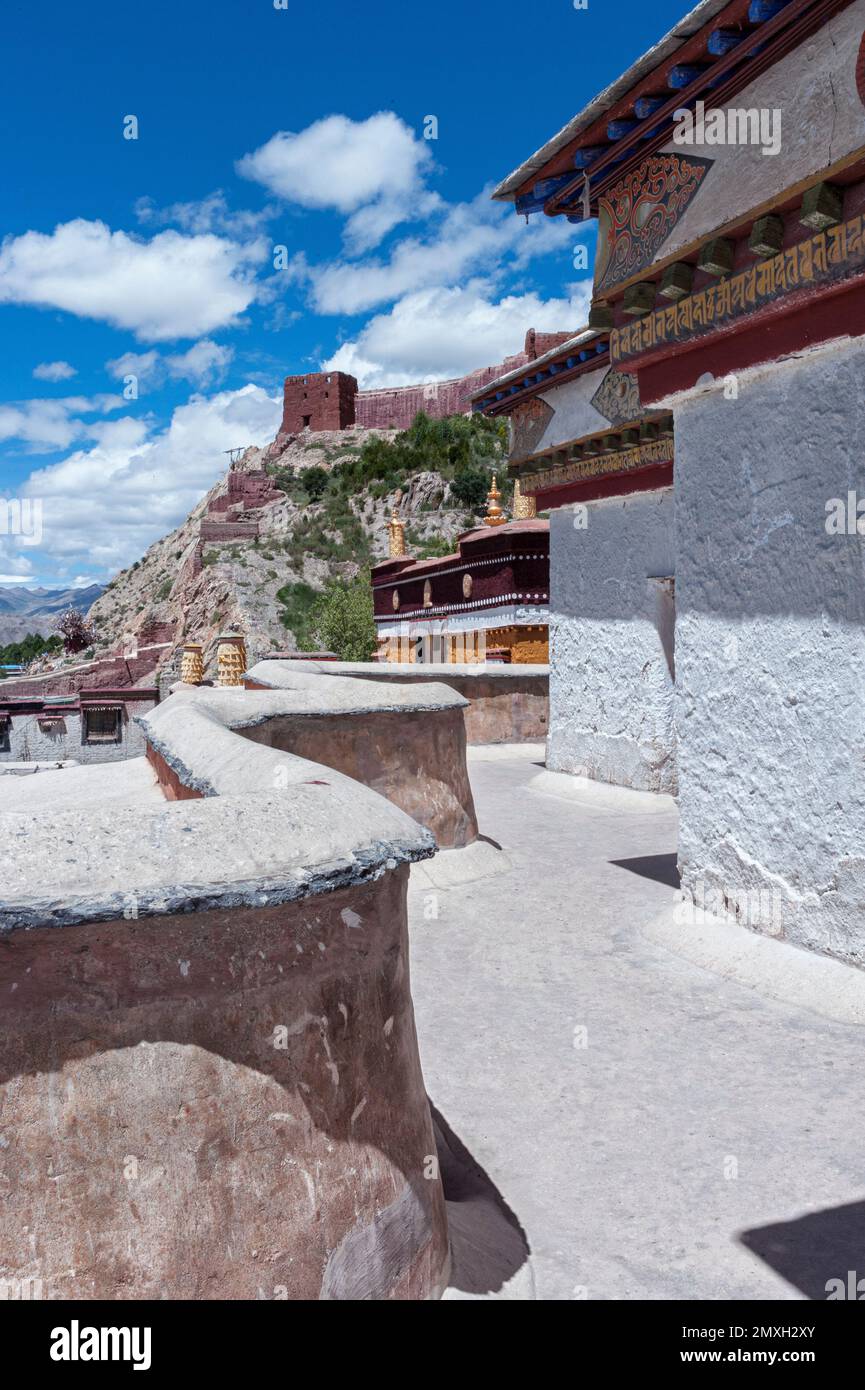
(126, 783)
(618, 1121)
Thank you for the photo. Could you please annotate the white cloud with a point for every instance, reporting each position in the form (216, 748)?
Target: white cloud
(54, 424)
(54, 371)
(210, 214)
(103, 506)
(204, 364)
(473, 238)
(172, 286)
(372, 169)
(446, 332)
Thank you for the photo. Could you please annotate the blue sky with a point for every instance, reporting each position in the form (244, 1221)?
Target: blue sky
(260, 128)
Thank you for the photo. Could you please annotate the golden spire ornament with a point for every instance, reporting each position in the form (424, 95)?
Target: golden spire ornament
(495, 516)
(525, 508)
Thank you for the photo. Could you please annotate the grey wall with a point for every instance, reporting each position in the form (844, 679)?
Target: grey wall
(30, 743)
(611, 689)
(770, 649)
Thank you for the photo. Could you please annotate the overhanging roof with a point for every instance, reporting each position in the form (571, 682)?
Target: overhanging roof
(679, 34)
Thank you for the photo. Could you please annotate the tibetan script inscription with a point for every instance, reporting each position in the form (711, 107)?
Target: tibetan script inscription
(831, 255)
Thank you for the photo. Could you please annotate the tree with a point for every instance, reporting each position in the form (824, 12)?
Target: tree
(315, 481)
(470, 488)
(75, 630)
(343, 620)
(31, 646)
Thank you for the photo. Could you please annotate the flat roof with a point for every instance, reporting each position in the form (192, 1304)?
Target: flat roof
(584, 335)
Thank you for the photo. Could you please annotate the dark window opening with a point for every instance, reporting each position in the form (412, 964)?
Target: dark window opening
(307, 420)
(5, 726)
(102, 725)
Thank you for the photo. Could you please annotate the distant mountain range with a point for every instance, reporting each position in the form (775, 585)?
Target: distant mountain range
(36, 610)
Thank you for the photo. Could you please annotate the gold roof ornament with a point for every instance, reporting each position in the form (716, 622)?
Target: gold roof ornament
(230, 658)
(192, 664)
(525, 507)
(396, 536)
(495, 516)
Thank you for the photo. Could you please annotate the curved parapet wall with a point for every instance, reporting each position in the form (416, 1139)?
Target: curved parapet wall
(407, 742)
(504, 704)
(209, 1041)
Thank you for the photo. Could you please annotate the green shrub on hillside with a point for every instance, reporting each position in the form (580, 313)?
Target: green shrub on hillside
(452, 446)
(298, 604)
(343, 621)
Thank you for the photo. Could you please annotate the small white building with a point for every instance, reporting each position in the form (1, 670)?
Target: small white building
(92, 726)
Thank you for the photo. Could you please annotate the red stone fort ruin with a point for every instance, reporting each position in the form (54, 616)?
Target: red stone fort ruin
(332, 401)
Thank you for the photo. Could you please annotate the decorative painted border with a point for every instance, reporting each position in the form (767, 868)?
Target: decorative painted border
(657, 451)
(834, 254)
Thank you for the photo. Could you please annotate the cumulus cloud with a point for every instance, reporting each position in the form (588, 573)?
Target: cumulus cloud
(446, 332)
(54, 424)
(475, 238)
(103, 506)
(54, 371)
(204, 364)
(372, 170)
(172, 286)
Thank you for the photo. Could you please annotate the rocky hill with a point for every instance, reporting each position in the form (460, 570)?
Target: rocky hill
(262, 543)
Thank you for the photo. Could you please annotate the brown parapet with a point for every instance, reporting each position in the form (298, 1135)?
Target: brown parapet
(415, 758)
(170, 784)
(225, 1105)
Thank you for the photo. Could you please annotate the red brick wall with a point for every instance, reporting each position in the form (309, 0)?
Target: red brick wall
(319, 400)
(253, 489)
(228, 530)
(331, 401)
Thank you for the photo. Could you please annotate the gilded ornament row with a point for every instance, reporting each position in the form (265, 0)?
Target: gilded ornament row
(656, 451)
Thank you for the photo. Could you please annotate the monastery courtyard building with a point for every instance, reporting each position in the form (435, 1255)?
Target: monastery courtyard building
(424, 905)
(699, 448)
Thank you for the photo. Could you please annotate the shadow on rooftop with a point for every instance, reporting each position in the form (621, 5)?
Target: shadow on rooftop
(663, 868)
(811, 1250)
(488, 1244)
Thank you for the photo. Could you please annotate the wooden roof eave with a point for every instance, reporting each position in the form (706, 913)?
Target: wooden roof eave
(673, 40)
(776, 37)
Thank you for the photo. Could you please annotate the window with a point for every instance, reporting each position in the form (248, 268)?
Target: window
(5, 726)
(306, 421)
(101, 725)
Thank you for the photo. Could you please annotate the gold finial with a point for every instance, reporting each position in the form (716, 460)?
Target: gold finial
(495, 516)
(396, 535)
(525, 508)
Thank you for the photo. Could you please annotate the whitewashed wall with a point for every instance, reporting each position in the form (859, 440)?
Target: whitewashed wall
(611, 688)
(770, 649)
(29, 742)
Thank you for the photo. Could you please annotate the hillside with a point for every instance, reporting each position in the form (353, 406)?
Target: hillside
(257, 549)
